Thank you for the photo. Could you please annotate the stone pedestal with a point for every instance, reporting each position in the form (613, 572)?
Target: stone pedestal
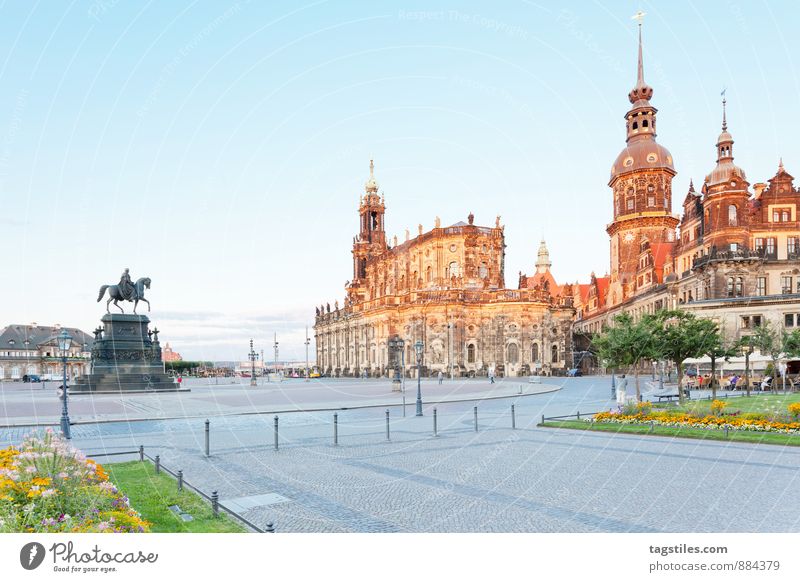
(125, 358)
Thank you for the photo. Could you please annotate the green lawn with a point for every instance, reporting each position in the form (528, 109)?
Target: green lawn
(151, 495)
(765, 403)
(689, 433)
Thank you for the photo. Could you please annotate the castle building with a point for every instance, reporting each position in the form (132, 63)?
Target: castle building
(170, 355)
(32, 350)
(445, 288)
(733, 255)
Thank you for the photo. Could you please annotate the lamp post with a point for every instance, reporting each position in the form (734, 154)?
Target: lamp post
(64, 343)
(275, 345)
(253, 355)
(308, 341)
(418, 346)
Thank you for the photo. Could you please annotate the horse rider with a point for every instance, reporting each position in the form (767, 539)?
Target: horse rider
(126, 287)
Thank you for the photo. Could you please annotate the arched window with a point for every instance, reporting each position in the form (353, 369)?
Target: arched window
(512, 353)
(732, 215)
(535, 353)
(483, 271)
(471, 353)
(453, 269)
(554, 354)
(644, 123)
(739, 287)
(428, 274)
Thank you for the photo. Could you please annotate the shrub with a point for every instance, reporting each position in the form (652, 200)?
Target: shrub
(644, 408)
(48, 486)
(794, 409)
(717, 406)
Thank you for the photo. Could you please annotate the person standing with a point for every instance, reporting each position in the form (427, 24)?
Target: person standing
(440, 376)
(622, 388)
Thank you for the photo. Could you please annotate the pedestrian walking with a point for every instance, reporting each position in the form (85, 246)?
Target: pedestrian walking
(440, 376)
(491, 376)
(180, 379)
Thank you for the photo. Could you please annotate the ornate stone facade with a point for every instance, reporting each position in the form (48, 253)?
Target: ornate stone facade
(444, 287)
(734, 255)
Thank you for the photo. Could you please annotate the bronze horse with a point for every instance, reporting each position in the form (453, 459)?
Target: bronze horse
(115, 295)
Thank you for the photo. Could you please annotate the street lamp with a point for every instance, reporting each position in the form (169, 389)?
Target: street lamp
(253, 355)
(64, 343)
(418, 346)
(275, 345)
(308, 341)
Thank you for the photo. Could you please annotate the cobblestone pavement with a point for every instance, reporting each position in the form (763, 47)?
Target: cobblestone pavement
(496, 479)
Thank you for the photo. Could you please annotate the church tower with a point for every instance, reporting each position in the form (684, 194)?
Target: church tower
(371, 239)
(641, 181)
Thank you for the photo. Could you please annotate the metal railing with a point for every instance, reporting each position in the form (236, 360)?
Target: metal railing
(182, 482)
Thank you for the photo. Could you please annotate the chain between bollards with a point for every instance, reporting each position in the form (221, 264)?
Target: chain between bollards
(158, 464)
(475, 414)
(208, 438)
(435, 428)
(180, 480)
(215, 503)
(387, 425)
(513, 418)
(276, 432)
(335, 429)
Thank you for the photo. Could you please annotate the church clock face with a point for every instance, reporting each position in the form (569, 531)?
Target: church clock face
(628, 238)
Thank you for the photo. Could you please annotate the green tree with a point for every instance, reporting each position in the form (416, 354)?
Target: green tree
(678, 335)
(625, 344)
(718, 348)
(775, 343)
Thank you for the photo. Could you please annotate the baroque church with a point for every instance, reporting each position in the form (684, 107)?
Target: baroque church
(732, 255)
(444, 288)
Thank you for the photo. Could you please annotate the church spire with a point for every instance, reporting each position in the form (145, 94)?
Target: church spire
(371, 186)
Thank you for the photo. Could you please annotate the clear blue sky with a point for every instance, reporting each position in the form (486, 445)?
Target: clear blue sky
(220, 148)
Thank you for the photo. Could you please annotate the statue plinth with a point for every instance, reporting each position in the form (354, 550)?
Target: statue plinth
(126, 357)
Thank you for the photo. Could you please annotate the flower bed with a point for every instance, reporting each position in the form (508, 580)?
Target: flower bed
(48, 486)
(749, 422)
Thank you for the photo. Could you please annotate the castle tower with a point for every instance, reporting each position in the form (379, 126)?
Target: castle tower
(641, 181)
(543, 263)
(725, 198)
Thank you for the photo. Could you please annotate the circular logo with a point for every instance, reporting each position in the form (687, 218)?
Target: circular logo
(31, 555)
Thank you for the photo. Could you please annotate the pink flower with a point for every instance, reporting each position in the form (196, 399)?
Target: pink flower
(48, 492)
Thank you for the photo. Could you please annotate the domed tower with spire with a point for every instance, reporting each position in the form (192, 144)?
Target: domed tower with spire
(371, 239)
(725, 199)
(641, 181)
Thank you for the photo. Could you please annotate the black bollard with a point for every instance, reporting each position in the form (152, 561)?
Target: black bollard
(215, 503)
(475, 414)
(158, 464)
(335, 429)
(276, 432)
(387, 425)
(513, 418)
(180, 480)
(208, 438)
(435, 431)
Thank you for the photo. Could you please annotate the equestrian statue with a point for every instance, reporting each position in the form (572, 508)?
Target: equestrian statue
(126, 290)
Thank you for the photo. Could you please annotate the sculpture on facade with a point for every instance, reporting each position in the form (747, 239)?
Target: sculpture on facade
(126, 290)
